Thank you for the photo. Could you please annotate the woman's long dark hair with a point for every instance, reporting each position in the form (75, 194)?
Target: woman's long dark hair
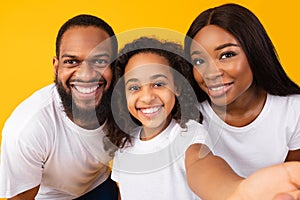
(254, 40)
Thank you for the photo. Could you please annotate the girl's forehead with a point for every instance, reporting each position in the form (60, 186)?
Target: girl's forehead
(144, 59)
(148, 71)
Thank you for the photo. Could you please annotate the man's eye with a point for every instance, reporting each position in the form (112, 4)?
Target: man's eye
(100, 62)
(198, 61)
(70, 62)
(227, 55)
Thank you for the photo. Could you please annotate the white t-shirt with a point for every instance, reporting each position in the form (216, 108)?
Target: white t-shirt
(264, 142)
(154, 169)
(42, 146)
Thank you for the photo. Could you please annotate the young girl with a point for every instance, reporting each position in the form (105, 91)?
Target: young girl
(250, 106)
(155, 104)
(161, 121)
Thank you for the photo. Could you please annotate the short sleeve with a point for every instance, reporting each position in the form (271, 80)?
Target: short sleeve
(21, 161)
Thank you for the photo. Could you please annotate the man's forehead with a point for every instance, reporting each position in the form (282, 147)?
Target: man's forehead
(91, 39)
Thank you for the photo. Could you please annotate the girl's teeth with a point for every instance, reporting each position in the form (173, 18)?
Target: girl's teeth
(217, 88)
(85, 90)
(150, 110)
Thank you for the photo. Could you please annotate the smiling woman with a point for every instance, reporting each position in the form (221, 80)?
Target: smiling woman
(247, 99)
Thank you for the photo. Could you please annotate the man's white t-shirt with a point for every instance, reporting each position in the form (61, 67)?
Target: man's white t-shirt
(154, 169)
(264, 142)
(42, 146)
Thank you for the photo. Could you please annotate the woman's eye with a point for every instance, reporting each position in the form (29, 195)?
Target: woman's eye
(198, 61)
(227, 55)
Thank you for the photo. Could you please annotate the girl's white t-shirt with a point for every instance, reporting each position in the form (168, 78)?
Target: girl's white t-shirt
(154, 169)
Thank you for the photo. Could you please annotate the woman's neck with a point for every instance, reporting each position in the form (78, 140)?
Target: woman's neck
(244, 110)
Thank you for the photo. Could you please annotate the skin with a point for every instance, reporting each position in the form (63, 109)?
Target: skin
(221, 63)
(150, 94)
(83, 68)
(76, 50)
(223, 72)
(221, 69)
(276, 182)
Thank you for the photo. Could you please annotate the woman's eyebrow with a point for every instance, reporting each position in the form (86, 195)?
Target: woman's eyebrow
(225, 45)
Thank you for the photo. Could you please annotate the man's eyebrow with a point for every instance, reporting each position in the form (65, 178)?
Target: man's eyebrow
(101, 55)
(68, 56)
(94, 56)
(226, 45)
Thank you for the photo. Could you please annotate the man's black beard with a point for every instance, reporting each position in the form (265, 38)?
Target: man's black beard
(76, 113)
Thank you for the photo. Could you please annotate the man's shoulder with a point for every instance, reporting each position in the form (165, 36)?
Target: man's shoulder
(40, 96)
(34, 104)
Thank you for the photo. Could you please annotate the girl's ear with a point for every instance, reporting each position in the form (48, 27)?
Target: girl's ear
(177, 91)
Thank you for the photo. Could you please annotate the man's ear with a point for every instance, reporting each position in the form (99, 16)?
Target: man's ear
(55, 65)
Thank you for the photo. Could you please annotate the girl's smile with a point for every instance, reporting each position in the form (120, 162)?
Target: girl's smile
(149, 89)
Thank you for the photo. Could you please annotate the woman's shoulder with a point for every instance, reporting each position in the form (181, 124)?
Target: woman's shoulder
(293, 99)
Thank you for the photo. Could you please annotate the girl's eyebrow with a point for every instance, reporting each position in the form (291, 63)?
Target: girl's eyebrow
(132, 80)
(158, 76)
(151, 78)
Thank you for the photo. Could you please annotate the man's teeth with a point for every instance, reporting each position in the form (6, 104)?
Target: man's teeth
(217, 88)
(150, 110)
(85, 90)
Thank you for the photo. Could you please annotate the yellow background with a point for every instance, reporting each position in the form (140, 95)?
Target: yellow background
(28, 31)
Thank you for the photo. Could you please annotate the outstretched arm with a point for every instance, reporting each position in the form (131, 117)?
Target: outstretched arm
(210, 177)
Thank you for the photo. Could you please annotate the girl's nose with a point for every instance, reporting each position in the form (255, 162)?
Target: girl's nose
(146, 94)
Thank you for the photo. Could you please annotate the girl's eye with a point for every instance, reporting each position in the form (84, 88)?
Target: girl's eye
(198, 61)
(227, 55)
(133, 88)
(159, 84)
